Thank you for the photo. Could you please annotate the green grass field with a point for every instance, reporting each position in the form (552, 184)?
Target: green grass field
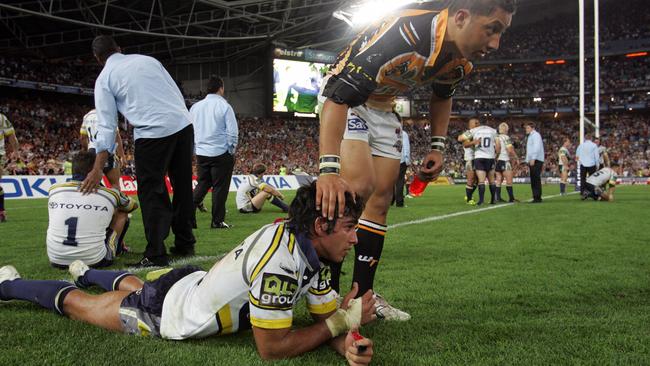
(564, 282)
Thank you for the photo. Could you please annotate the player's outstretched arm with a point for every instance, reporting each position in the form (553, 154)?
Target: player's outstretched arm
(330, 187)
(440, 110)
(13, 142)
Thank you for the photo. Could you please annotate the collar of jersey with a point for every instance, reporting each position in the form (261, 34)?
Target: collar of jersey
(307, 248)
(78, 177)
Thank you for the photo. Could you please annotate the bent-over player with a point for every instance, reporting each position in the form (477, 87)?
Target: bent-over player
(601, 185)
(257, 284)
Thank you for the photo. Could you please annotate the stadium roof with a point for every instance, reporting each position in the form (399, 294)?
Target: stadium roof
(175, 30)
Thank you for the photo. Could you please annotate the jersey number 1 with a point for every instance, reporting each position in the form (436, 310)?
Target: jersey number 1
(72, 232)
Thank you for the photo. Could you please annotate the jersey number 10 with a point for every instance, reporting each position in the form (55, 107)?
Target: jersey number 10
(486, 142)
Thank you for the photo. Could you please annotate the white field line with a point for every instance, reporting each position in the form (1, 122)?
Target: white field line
(461, 213)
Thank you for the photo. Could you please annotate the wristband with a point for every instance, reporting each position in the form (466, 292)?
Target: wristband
(438, 143)
(329, 164)
(343, 320)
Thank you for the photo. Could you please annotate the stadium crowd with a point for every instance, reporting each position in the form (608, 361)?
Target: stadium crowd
(48, 132)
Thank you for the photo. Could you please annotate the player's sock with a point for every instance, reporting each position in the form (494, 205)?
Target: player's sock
(511, 194)
(107, 280)
(367, 253)
(498, 192)
(2, 199)
(120, 240)
(469, 190)
(481, 192)
(335, 281)
(474, 188)
(280, 203)
(48, 294)
(562, 188)
(493, 190)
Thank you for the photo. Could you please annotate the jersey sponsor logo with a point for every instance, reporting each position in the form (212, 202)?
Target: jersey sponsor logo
(278, 290)
(356, 124)
(324, 279)
(77, 206)
(371, 260)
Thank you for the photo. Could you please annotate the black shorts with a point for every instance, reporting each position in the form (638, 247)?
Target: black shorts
(503, 166)
(485, 165)
(140, 311)
(593, 191)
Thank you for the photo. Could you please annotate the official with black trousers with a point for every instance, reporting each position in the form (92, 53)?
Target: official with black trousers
(215, 141)
(588, 157)
(535, 160)
(142, 90)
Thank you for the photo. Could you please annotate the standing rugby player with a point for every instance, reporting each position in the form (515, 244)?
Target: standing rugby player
(88, 134)
(507, 156)
(563, 156)
(403, 51)
(485, 142)
(6, 131)
(471, 185)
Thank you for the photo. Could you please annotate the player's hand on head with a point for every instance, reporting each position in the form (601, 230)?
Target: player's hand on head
(91, 183)
(431, 166)
(358, 352)
(330, 189)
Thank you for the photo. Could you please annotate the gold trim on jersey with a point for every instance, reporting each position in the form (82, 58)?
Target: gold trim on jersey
(224, 319)
(321, 309)
(269, 252)
(438, 40)
(313, 291)
(271, 323)
(292, 242)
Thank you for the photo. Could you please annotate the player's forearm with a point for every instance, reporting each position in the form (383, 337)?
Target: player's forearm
(332, 127)
(294, 342)
(440, 110)
(100, 160)
(13, 141)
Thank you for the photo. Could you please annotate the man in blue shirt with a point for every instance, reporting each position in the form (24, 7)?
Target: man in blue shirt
(215, 140)
(403, 165)
(535, 160)
(142, 90)
(588, 156)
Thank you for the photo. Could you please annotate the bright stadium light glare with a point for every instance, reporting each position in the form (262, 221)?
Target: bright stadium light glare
(370, 10)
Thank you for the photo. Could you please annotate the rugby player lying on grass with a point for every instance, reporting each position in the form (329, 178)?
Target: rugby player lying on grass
(256, 284)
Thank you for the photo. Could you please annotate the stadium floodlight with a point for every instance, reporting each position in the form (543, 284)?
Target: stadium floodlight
(368, 11)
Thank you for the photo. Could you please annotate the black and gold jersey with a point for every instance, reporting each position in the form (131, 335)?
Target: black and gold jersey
(399, 53)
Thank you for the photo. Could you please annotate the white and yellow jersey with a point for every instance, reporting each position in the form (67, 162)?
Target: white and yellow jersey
(505, 142)
(77, 223)
(6, 130)
(257, 283)
(602, 177)
(487, 137)
(248, 188)
(563, 151)
(89, 129)
(468, 151)
(602, 150)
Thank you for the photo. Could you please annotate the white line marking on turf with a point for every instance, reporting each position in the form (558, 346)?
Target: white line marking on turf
(461, 213)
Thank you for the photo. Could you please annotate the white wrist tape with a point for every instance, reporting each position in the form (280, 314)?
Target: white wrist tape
(343, 320)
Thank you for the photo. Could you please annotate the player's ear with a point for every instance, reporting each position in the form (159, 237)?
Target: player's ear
(461, 18)
(320, 226)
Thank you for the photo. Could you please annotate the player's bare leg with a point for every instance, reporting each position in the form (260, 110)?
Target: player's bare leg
(499, 181)
(564, 177)
(491, 179)
(113, 177)
(99, 310)
(259, 199)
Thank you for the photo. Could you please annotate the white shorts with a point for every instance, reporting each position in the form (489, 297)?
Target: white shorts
(382, 131)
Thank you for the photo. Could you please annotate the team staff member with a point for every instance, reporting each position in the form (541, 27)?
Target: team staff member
(563, 156)
(535, 160)
(359, 134)
(215, 141)
(257, 284)
(587, 156)
(6, 131)
(140, 88)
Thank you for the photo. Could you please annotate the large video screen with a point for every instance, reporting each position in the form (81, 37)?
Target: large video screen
(296, 85)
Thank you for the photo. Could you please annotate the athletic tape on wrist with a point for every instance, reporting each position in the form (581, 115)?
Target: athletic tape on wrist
(438, 143)
(343, 320)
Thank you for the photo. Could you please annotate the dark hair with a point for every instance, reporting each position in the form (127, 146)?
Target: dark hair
(258, 168)
(214, 84)
(82, 162)
(483, 7)
(104, 47)
(303, 213)
(531, 124)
